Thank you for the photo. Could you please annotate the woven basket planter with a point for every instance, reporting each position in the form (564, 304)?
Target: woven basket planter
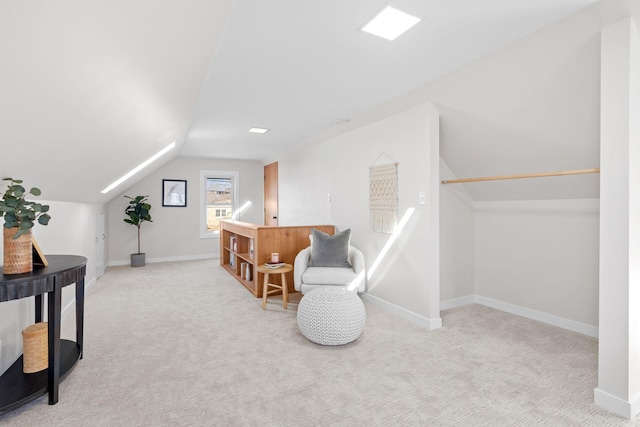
(35, 348)
(18, 257)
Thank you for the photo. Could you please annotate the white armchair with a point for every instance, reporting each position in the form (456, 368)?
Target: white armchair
(306, 278)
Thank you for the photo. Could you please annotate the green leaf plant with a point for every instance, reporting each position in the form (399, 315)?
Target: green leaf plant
(138, 212)
(20, 213)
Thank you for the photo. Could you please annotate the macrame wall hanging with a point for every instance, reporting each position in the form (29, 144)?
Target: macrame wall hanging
(383, 197)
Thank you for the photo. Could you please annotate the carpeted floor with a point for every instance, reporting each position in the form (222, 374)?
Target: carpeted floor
(183, 344)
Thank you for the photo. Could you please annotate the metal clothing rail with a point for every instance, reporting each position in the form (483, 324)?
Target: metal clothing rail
(520, 176)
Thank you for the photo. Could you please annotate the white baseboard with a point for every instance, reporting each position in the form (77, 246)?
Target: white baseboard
(72, 303)
(621, 407)
(457, 302)
(89, 285)
(167, 259)
(402, 312)
(560, 322)
(550, 319)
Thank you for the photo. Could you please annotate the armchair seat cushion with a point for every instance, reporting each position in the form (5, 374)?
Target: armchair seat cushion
(328, 276)
(306, 277)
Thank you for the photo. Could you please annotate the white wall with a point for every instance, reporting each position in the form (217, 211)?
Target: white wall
(619, 351)
(340, 166)
(174, 233)
(535, 258)
(71, 231)
(540, 255)
(457, 240)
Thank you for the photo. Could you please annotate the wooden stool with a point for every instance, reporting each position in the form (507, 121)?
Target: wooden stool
(265, 289)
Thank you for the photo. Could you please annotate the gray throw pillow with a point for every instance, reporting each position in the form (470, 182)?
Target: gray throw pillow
(330, 251)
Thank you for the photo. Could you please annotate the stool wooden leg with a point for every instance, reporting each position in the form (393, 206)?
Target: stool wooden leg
(265, 290)
(285, 291)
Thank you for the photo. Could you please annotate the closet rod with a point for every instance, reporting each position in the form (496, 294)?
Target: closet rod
(524, 175)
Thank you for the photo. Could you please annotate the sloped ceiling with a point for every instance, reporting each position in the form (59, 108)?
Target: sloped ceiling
(533, 106)
(91, 89)
(298, 68)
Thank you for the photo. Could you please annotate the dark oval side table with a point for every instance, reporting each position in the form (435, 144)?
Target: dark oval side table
(16, 387)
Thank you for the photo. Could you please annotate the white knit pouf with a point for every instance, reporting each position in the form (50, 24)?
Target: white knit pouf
(331, 316)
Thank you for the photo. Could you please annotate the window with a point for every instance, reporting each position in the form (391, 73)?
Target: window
(219, 200)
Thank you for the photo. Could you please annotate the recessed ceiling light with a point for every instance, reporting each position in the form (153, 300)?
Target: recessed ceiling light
(390, 23)
(258, 130)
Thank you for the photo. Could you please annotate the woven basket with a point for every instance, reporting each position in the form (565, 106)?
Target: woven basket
(18, 257)
(35, 346)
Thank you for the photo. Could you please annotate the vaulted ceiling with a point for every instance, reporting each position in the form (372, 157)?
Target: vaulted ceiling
(88, 90)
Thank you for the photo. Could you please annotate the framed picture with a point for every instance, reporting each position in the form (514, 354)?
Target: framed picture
(38, 257)
(174, 192)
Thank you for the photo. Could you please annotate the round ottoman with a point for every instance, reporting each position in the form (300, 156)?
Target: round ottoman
(331, 316)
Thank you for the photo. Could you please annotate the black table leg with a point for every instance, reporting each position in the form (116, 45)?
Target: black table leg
(80, 313)
(39, 308)
(54, 300)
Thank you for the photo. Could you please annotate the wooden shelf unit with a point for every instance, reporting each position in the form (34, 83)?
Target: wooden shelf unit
(287, 241)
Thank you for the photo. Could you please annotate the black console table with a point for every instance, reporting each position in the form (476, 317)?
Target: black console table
(16, 387)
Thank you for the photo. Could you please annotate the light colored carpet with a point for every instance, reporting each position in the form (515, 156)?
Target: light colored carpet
(183, 344)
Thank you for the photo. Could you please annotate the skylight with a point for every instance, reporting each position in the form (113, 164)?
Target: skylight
(139, 168)
(258, 130)
(390, 23)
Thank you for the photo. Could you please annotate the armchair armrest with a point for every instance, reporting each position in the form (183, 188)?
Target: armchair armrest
(300, 264)
(356, 258)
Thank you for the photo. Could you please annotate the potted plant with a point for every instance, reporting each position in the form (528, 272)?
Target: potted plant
(20, 216)
(137, 213)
